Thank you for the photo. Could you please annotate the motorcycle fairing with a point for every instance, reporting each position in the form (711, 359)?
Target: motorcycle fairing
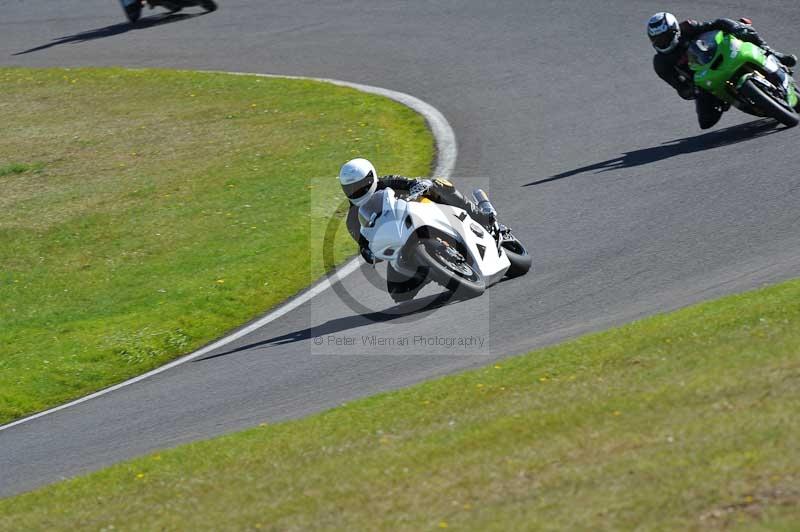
(389, 223)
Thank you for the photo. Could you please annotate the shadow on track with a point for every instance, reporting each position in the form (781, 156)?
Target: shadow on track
(706, 141)
(116, 29)
(409, 311)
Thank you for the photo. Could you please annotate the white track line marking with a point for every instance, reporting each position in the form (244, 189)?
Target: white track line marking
(446, 153)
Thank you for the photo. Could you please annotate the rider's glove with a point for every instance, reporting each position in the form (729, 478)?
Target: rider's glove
(421, 183)
(748, 34)
(419, 187)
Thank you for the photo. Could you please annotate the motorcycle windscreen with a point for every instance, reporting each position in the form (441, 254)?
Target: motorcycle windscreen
(369, 213)
(703, 49)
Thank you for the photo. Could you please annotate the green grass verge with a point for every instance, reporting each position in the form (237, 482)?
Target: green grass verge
(145, 213)
(682, 421)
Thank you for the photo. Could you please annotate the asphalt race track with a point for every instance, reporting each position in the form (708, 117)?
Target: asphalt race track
(598, 166)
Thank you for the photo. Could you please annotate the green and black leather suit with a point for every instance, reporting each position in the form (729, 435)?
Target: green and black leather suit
(673, 67)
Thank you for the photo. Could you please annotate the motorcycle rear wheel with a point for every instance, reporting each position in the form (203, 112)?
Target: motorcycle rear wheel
(447, 267)
(767, 104)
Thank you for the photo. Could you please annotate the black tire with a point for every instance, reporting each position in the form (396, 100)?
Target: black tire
(133, 12)
(521, 260)
(448, 271)
(208, 5)
(767, 104)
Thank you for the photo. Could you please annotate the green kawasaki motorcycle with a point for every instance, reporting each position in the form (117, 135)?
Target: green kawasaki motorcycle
(743, 75)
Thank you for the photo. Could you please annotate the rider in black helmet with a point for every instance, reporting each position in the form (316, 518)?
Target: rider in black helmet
(671, 40)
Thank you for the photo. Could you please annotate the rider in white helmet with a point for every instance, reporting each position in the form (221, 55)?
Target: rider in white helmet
(671, 40)
(360, 181)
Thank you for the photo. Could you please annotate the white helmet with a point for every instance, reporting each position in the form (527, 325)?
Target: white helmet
(664, 32)
(359, 180)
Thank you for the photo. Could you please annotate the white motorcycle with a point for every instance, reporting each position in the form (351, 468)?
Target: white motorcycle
(423, 241)
(133, 8)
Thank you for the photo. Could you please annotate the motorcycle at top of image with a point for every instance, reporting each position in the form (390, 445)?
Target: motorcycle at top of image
(133, 8)
(425, 242)
(745, 76)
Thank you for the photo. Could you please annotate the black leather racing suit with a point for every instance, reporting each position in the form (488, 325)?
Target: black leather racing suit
(673, 67)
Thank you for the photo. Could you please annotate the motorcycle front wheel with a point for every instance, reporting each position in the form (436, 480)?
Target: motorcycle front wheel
(448, 267)
(768, 105)
(518, 256)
